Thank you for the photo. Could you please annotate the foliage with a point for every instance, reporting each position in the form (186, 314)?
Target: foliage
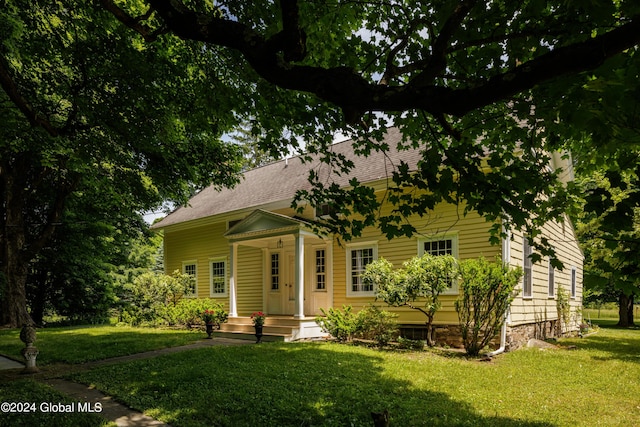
(377, 325)
(455, 390)
(341, 324)
(152, 295)
(97, 127)
(258, 318)
(417, 285)
(563, 308)
(487, 289)
(216, 315)
(410, 344)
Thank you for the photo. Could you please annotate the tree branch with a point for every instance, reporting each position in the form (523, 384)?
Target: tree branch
(134, 23)
(25, 107)
(344, 87)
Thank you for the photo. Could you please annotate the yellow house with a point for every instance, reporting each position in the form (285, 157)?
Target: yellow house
(246, 247)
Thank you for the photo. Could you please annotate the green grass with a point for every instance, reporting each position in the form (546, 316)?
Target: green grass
(324, 384)
(36, 393)
(76, 344)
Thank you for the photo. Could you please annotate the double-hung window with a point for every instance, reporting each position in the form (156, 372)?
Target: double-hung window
(358, 257)
(218, 278)
(527, 267)
(189, 267)
(441, 245)
(552, 284)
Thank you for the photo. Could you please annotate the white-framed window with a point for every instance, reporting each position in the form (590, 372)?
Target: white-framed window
(275, 271)
(527, 268)
(446, 244)
(359, 255)
(218, 277)
(552, 280)
(321, 270)
(573, 282)
(190, 268)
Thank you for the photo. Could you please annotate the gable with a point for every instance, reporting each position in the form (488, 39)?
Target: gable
(262, 222)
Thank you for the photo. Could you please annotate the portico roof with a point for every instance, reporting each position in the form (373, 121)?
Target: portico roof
(261, 223)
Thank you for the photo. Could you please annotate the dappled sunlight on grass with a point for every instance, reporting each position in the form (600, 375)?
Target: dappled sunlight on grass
(86, 343)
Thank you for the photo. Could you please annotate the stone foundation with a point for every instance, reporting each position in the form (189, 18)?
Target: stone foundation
(517, 336)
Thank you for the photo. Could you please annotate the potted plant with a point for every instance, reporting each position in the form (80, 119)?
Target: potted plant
(212, 319)
(258, 319)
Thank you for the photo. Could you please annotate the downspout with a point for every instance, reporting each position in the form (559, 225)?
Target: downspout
(506, 257)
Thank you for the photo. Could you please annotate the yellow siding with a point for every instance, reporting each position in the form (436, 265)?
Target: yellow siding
(473, 241)
(249, 282)
(199, 244)
(540, 306)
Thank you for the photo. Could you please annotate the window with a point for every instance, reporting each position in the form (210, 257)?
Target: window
(324, 210)
(438, 246)
(218, 278)
(321, 268)
(358, 257)
(275, 272)
(552, 285)
(527, 290)
(189, 267)
(573, 282)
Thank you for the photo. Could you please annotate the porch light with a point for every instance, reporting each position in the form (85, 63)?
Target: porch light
(280, 244)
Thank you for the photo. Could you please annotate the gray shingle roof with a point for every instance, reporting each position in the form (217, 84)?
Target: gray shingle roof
(280, 180)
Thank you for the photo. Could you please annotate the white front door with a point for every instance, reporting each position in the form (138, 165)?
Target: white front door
(280, 283)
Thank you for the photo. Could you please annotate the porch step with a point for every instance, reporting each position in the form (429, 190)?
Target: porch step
(276, 328)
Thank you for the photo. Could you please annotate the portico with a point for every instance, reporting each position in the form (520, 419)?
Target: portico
(296, 267)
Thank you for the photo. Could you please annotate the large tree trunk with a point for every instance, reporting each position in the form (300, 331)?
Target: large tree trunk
(625, 310)
(12, 254)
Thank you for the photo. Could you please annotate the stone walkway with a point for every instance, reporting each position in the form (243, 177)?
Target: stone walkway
(111, 410)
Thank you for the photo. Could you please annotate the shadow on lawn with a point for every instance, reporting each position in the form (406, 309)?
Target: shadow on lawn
(282, 385)
(619, 344)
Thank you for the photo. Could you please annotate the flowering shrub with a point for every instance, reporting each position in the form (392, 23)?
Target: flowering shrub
(258, 318)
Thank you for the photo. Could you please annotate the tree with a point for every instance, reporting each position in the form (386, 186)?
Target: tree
(487, 290)
(475, 84)
(417, 285)
(483, 89)
(93, 114)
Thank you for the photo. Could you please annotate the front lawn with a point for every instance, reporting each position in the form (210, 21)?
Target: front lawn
(324, 384)
(75, 344)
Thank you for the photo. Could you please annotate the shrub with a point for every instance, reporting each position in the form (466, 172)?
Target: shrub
(410, 344)
(189, 311)
(417, 285)
(341, 324)
(487, 292)
(377, 325)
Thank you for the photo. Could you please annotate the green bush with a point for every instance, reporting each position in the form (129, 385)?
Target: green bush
(189, 312)
(487, 291)
(406, 343)
(341, 324)
(377, 325)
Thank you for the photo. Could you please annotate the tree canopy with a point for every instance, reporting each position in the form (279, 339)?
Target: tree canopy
(137, 92)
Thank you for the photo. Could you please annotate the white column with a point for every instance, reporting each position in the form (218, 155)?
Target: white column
(233, 273)
(299, 271)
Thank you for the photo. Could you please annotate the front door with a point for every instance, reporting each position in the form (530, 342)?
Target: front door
(281, 283)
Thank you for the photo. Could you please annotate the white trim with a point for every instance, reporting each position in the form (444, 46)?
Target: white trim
(193, 262)
(225, 283)
(453, 236)
(526, 244)
(356, 246)
(551, 286)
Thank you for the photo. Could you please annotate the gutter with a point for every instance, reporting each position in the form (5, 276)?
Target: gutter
(506, 257)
